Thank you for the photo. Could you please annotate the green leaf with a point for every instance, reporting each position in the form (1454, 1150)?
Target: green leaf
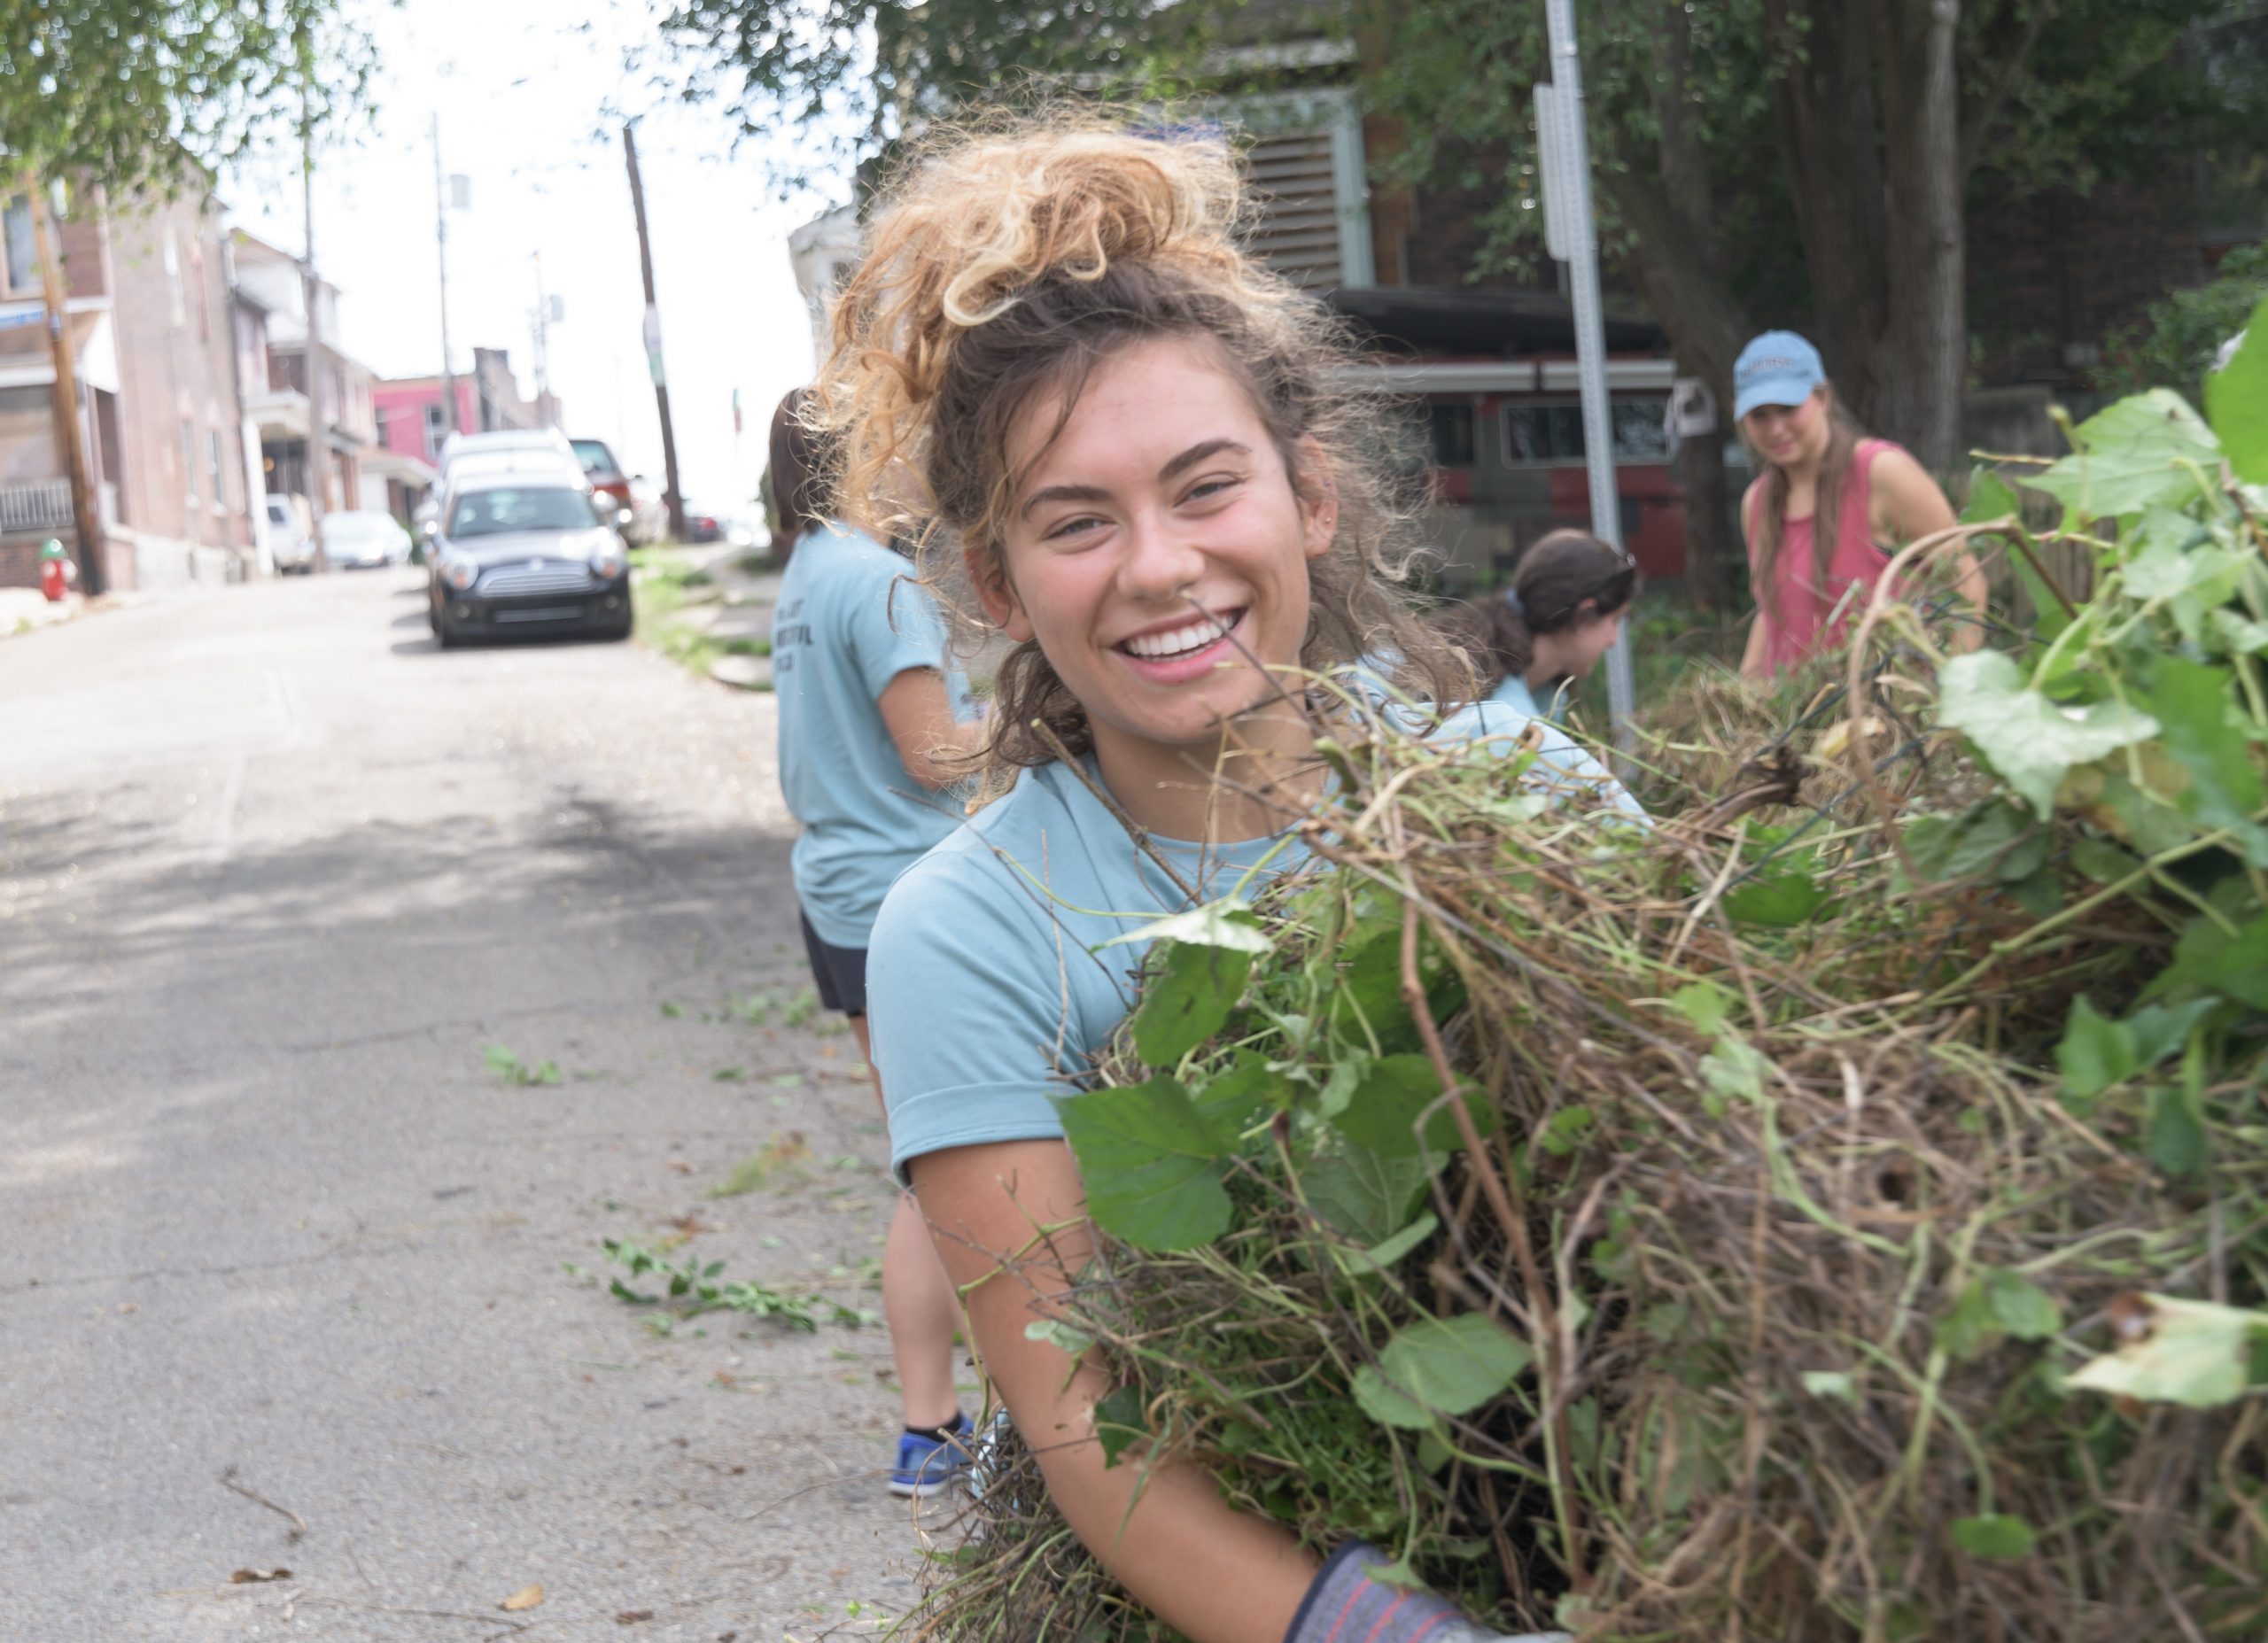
(1993, 1535)
(1061, 1336)
(1362, 1194)
(1703, 1004)
(2158, 1030)
(1448, 1366)
(1226, 923)
(2190, 1353)
(2236, 399)
(2020, 1307)
(1839, 1383)
(2129, 456)
(1186, 998)
(1119, 1423)
(2209, 959)
(1983, 838)
(1989, 497)
(1565, 1130)
(1229, 1098)
(2176, 1138)
(1152, 1164)
(2095, 1053)
(1385, 1256)
(2192, 703)
(1968, 1329)
(1778, 901)
(2239, 634)
(1384, 1113)
(2029, 741)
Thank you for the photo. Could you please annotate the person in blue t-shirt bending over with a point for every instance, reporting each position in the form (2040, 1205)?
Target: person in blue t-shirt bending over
(872, 729)
(1123, 442)
(1531, 642)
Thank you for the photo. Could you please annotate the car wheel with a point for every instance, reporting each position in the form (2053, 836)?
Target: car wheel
(444, 635)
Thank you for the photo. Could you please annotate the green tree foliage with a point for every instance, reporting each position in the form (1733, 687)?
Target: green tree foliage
(2174, 345)
(120, 90)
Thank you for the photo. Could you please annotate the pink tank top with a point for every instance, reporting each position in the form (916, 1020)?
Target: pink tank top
(1795, 618)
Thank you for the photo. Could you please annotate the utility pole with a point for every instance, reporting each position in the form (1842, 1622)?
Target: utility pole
(85, 518)
(675, 498)
(541, 335)
(310, 288)
(441, 244)
(1570, 233)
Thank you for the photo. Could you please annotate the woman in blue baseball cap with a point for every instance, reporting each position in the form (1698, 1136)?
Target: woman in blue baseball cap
(1826, 501)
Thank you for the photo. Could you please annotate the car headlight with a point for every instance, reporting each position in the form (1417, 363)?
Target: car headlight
(459, 573)
(610, 562)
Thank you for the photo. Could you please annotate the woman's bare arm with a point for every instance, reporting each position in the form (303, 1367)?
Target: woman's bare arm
(1911, 508)
(918, 712)
(1213, 1574)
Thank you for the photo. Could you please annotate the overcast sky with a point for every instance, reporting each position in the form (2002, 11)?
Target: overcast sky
(522, 87)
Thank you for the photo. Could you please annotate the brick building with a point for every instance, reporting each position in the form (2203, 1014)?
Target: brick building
(147, 297)
(270, 327)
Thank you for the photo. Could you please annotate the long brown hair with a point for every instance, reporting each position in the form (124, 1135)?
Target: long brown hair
(1561, 570)
(1843, 437)
(1004, 264)
(798, 470)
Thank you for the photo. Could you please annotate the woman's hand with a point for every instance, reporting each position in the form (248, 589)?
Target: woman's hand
(1009, 1221)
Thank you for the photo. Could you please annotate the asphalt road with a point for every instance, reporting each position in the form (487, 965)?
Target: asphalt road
(274, 873)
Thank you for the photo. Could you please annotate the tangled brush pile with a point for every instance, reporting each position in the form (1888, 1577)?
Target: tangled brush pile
(1841, 1212)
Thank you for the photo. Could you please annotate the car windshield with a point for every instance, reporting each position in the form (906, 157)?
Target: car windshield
(594, 455)
(498, 512)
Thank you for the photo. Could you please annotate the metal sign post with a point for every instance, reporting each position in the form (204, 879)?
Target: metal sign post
(1571, 235)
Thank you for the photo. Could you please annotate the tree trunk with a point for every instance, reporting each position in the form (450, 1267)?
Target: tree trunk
(1714, 556)
(1825, 97)
(1928, 328)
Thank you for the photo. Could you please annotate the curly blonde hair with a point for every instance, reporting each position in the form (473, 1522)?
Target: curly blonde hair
(1004, 264)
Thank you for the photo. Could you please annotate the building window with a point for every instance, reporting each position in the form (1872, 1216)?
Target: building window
(173, 276)
(213, 469)
(1541, 435)
(1452, 435)
(23, 247)
(435, 418)
(188, 461)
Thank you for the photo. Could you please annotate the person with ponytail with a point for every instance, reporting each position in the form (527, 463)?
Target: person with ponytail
(1562, 611)
(1826, 501)
(1126, 453)
(874, 727)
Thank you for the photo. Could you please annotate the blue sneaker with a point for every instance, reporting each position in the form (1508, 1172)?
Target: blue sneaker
(928, 1466)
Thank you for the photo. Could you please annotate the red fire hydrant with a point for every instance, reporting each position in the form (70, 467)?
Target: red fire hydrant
(56, 571)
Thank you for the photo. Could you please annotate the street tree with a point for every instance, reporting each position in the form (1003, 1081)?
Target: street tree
(120, 92)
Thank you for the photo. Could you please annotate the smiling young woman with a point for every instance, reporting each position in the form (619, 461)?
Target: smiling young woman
(1825, 500)
(1119, 442)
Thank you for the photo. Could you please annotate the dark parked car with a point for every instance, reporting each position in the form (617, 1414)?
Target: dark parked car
(525, 553)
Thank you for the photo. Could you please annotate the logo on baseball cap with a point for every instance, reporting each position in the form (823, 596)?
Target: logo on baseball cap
(1778, 368)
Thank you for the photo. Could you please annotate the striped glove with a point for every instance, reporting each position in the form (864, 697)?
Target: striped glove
(1346, 1605)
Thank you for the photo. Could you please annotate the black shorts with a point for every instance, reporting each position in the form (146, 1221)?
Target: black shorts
(840, 972)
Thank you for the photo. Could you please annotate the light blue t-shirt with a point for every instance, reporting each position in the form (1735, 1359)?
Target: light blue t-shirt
(1515, 694)
(985, 992)
(849, 620)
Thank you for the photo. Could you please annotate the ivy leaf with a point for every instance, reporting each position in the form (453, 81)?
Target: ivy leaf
(1994, 1534)
(2207, 959)
(1186, 998)
(1152, 1163)
(1989, 497)
(1119, 1423)
(2190, 1353)
(1362, 1194)
(2027, 740)
(1703, 1004)
(2236, 399)
(2158, 1030)
(1227, 924)
(2128, 457)
(1778, 901)
(1229, 1098)
(1384, 1112)
(2095, 1053)
(1446, 1366)
(2020, 1307)
(2191, 702)
(2176, 1139)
